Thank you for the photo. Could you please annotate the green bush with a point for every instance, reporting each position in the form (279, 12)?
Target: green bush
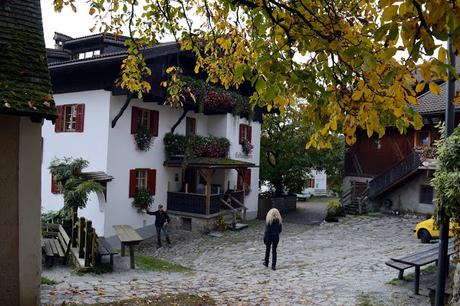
(142, 199)
(334, 208)
(193, 146)
(446, 181)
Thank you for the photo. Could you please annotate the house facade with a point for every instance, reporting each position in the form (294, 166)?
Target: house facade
(88, 103)
(317, 183)
(394, 172)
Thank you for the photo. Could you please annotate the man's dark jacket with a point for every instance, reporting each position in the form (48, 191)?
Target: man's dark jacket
(161, 217)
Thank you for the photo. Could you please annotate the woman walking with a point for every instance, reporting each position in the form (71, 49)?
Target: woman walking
(273, 229)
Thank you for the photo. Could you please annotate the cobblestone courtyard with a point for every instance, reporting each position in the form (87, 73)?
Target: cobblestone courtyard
(327, 264)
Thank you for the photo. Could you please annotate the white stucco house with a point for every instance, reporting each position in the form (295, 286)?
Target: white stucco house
(83, 71)
(317, 183)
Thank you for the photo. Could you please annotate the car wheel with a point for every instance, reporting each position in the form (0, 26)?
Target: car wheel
(424, 236)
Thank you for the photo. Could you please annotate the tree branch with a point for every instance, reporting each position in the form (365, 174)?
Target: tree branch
(173, 128)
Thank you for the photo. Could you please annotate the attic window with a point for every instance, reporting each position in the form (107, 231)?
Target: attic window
(88, 54)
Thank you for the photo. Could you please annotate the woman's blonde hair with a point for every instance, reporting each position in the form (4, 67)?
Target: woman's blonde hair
(272, 215)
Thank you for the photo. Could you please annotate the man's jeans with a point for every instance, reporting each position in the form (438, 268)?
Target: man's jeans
(165, 232)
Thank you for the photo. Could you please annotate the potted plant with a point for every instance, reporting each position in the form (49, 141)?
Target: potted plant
(333, 211)
(246, 146)
(142, 199)
(220, 223)
(143, 138)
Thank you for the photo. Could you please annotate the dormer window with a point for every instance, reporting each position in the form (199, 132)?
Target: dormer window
(88, 54)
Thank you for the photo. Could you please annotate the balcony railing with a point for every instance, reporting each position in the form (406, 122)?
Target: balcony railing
(385, 180)
(196, 203)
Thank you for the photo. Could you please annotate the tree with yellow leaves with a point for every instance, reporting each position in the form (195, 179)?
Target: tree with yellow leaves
(339, 55)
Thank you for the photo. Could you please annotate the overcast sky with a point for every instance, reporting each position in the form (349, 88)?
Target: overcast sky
(67, 22)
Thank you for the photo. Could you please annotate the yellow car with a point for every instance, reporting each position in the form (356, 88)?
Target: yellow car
(427, 230)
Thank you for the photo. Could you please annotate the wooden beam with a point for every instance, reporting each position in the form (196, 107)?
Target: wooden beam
(122, 110)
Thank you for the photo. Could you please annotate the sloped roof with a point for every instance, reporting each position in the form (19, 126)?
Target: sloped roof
(98, 176)
(210, 163)
(429, 103)
(160, 49)
(25, 86)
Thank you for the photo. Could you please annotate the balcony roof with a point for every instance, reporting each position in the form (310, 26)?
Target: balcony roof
(210, 163)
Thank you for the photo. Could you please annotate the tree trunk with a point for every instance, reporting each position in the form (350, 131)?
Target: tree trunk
(278, 184)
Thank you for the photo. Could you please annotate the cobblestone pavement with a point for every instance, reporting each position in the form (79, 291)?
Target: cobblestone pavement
(329, 264)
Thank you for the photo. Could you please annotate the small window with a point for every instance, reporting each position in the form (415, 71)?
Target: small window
(146, 118)
(422, 139)
(141, 179)
(56, 186)
(97, 52)
(245, 133)
(426, 194)
(81, 55)
(70, 118)
(190, 126)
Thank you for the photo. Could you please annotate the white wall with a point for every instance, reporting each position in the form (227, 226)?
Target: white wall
(320, 187)
(113, 150)
(124, 156)
(90, 145)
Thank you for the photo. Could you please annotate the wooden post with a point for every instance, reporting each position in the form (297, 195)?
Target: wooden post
(88, 242)
(131, 256)
(228, 184)
(186, 187)
(81, 237)
(168, 187)
(74, 233)
(122, 249)
(208, 191)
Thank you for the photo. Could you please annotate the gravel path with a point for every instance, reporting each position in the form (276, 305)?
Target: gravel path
(329, 264)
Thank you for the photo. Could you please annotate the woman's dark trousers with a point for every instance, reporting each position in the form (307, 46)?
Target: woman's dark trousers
(272, 243)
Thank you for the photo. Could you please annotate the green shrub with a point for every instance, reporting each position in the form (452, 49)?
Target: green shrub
(142, 199)
(334, 208)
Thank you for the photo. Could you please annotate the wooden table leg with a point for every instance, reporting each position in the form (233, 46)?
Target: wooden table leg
(131, 256)
(417, 279)
(122, 249)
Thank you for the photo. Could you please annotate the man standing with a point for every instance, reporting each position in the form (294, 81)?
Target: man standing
(161, 221)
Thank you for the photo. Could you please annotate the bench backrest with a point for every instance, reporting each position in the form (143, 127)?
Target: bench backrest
(57, 231)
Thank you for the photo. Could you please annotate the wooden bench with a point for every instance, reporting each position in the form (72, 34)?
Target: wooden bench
(104, 249)
(398, 266)
(422, 258)
(128, 237)
(55, 243)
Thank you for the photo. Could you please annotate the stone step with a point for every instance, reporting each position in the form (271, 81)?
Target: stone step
(238, 226)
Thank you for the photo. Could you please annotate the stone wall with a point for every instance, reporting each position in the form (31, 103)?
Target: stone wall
(407, 196)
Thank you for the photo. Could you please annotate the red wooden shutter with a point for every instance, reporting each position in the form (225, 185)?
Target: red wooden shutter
(134, 119)
(152, 180)
(54, 185)
(239, 182)
(247, 176)
(80, 120)
(154, 120)
(249, 135)
(59, 124)
(241, 133)
(132, 183)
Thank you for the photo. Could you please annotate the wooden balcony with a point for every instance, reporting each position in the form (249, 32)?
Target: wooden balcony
(195, 203)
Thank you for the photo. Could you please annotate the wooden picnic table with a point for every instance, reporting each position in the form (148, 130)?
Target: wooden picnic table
(128, 237)
(423, 258)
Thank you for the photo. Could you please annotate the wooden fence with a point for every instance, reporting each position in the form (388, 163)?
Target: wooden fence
(84, 240)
